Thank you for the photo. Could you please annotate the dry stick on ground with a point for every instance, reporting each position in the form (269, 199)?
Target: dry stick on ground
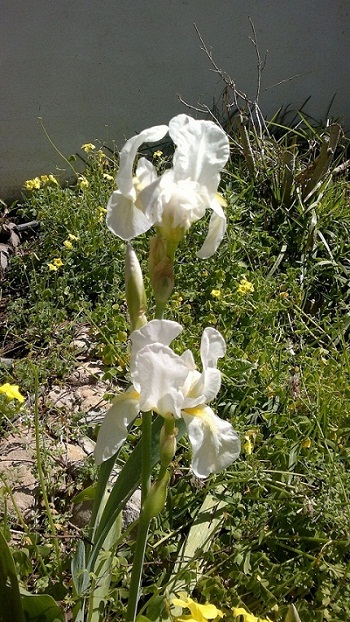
(341, 168)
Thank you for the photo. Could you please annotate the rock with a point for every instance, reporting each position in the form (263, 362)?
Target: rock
(92, 397)
(81, 513)
(132, 509)
(83, 341)
(16, 467)
(87, 445)
(87, 373)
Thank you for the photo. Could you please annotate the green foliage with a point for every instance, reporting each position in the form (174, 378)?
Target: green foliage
(16, 603)
(282, 535)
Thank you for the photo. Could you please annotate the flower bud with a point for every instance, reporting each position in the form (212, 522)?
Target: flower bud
(135, 291)
(156, 497)
(161, 270)
(167, 445)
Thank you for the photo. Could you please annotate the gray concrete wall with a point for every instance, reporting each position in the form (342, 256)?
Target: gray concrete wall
(105, 69)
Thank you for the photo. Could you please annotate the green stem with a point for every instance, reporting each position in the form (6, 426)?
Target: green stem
(144, 522)
(41, 475)
(136, 573)
(146, 465)
(160, 306)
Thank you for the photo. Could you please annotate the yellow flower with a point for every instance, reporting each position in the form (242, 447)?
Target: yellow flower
(83, 182)
(52, 267)
(199, 613)
(108, 177)
(57, 262)
(306, 443)
(270, 391)
(87, 147)
(158, 154)
(68, 244)
(247, 617)
(47, 179)
(216, 293)
(102, 213)
(247, 446)
(73, 237)
(32, 184)
(11, 391)
(53, 179)
(245, 287)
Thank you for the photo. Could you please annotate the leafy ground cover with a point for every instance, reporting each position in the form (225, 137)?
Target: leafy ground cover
(278, 291)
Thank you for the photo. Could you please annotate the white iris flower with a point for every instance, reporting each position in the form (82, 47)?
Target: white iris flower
(180, 196)
(171, 386)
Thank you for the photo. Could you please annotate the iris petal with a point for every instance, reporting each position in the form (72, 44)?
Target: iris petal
(202, 150)
(155, 331)
(213, 347)
(113, 430)
(124, 219)
(128, 155)
(214, 442)
(216, 232)
(160, 373)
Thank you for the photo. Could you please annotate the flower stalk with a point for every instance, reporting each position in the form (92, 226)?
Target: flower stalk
(161, 380)
(144, 520)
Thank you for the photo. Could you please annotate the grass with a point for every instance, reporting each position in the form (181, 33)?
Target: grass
(283, 533)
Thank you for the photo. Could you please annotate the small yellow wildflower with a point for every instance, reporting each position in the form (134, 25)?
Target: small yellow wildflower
(102, 213)
(158, 154)
(68, 244)
(216, 293)
(57, 262)
(199, 613)
(87, 147)
(101, 156)
(249, 438)
(247, 617)
(32, 184)
(73, 237)
(245, 287)
(52, 267)
(306, 443)
(44, 179)
(53, 179)
(108, 177)
(247, 446)
(11, 391)
(284, 295)
(83, 182)
(270, 391)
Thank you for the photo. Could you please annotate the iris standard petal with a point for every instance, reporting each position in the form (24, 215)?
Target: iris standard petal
(204, 389)
(214, 442)
(160, 373)
(213, 347)
(202, 150)
(113, 430)
(146, 172)
(124, 219)
(170, 204)
(188, 358)
(155, 331)
(128, 154)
